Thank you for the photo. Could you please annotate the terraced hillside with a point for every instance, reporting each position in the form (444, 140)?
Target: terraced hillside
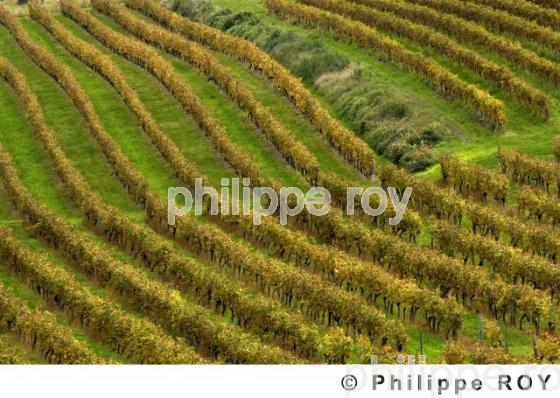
(107, 105)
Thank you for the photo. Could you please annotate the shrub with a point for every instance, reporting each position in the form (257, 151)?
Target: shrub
(395, 110)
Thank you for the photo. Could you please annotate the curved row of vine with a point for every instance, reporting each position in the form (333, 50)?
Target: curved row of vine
(320, 298)
(357, 152)
(552, 4)
(520, 90)
(539, 207)
(490, 109)
(470, 178)
(41, 331)
(528, 170)
(361, 277)
(295, 153)
(213, 69)
(511, 264)
(337, 231)
(139, 340)
(289, 239)
(472, 286)
(255, 312)
(445, 203)
(532, 12)
(228, 340)
(391, 291)
(497, 20)
(469, 31)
